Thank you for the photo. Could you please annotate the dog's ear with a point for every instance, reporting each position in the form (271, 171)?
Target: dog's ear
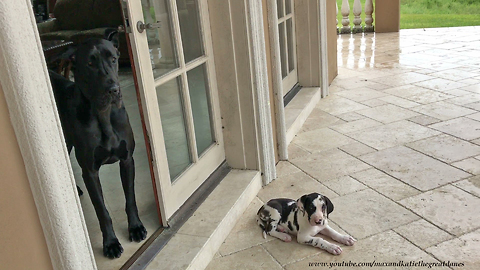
(301, 203)
(329, 205)
(111, 34)
(68, 54)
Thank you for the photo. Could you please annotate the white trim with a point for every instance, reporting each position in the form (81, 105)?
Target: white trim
(25, 82)
(282, 143)
(323, 48)
(260, 83)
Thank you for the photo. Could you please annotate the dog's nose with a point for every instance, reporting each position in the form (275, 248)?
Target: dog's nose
(114, 90)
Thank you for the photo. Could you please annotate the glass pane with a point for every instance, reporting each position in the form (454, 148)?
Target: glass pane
(160, 40)
(197, 85)
(283, 52)
(280, 8)
(288, 6)
(173, 124)
(188, 15)
(291, 49)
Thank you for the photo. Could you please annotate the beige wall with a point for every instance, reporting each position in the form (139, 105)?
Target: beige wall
(23, 244)
(332, 41)
(387, 16)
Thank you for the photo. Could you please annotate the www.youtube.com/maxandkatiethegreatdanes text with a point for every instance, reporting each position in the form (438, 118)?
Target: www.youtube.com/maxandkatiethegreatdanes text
(386, 264)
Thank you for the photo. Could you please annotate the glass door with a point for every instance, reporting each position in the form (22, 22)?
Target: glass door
(174, 65)
(288, 47)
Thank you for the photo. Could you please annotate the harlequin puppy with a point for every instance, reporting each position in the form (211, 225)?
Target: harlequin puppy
(305, 218)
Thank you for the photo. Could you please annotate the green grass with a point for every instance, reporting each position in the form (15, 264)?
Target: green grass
(430, 13)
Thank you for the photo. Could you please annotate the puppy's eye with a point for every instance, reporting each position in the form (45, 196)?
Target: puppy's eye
(114, 60)
(90, 63)
(324, 207)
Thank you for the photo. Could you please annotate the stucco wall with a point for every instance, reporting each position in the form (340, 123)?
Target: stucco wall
(332, 41)
(23, 244)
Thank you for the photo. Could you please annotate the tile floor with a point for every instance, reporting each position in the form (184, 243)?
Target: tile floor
(396, 147)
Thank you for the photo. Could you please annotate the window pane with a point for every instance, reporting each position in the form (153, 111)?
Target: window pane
(283, 50)
(197, 85)
(173, 124)
(188, 15)
(160, 40)
(280, 8)
(291, 49)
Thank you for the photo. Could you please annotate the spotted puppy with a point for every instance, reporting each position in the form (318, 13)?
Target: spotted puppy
(305, 218)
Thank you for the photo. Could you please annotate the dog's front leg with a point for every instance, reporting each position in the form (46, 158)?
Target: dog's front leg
(319, 242)
(136, 230)
(111, 246)
(344, 239)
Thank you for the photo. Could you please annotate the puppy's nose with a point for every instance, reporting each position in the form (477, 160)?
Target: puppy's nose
(319, 221)
(114, 90)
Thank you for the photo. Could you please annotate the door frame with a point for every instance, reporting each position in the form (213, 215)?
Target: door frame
(304, 30)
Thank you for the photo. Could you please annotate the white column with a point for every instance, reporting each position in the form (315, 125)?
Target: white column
(357, 21)
(345, 21)
(368, 16)
(26, 85)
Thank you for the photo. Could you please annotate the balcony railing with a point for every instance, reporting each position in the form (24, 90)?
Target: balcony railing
(357, 26)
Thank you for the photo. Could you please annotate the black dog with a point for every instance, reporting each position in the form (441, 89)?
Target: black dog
(95, 122)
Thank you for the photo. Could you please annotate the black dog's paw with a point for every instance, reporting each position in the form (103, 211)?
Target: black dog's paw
(137, 233)
(113, 249)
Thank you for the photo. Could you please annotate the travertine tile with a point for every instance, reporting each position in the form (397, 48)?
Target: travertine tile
(474, 105)
(404, 103)
(462, 127)
(423, 233)
(246, 232)
(475, 88)
(441, 85)
(448, 207)
(295, 151)
(321, 140)
(293, 186)
(414, 168)
(385, 184)
(361, 94)
(374, 102)
(383, 214)
(357, 149)
(285, 168)
(475, 116)
(454, 74)
(344, 185)
(295, 252)
(355, 125)
(382, 248)
(403, 78)
(446, 148)
(252, 258)
(443, 110)
(387, 113)
(329, 164)
(471, 185)
(392, 134)
(424, 120)
(429, 96)
(465, 99)
(471, 165)
(338, 105)
(350, 116)
(319, 119)
(464, 249)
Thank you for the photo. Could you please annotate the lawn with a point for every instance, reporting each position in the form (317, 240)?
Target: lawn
(431, 13)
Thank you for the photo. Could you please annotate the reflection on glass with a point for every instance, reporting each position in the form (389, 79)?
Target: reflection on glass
(291, 48)
(160, 40)
(190, 29)
(283, 53)
(173, 124)
(288, 7)
(197, 85)
(280, 8)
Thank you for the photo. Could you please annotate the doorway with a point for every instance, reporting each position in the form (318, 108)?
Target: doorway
(287, 41)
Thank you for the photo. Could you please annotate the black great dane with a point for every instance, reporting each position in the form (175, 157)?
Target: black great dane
(95, 122)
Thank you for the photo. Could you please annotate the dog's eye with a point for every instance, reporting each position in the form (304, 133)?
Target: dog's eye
(114, 60)
(90, 63)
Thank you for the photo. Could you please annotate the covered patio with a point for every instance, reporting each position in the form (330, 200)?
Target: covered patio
(395, 146)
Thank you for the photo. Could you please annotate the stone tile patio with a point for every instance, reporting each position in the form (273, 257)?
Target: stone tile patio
(396, 147)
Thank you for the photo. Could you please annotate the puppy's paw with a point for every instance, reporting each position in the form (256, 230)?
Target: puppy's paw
(287, 238)
(334, 249)
(347, 240)
(137, 233)
(112, 249)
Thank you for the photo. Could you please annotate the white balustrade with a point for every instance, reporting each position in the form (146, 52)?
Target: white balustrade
(345, 21)
(336, 14)
(357, 21)
(368, 16)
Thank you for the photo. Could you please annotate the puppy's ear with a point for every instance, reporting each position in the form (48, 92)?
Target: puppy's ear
(329, 205)
(301, 203)
(111, 34)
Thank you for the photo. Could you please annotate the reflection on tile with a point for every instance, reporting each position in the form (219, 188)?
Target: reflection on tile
(448, 207)
(413, 168)
(441, 85)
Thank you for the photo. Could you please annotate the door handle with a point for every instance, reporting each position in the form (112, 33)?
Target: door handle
(142, 26)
